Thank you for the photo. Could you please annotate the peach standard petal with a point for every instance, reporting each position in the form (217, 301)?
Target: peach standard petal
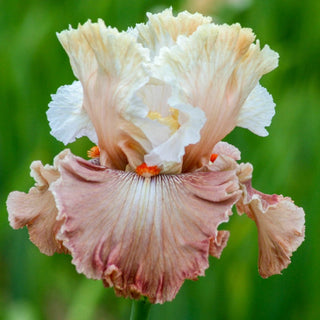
(143, 236)
(280, 226)
(163, 29)
(111, 67)
(215, 69)
(37, 209)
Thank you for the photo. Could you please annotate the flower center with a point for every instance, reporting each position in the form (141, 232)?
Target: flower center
(147, 172)
(171, 120)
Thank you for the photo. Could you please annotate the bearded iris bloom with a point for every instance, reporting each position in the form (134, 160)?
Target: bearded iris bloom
(157, 100)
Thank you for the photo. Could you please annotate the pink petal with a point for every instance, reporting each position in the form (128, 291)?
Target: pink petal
(218, 243)
(37, 209)
(280, 226)
(227, 155)
(227, 149)
(143, 236)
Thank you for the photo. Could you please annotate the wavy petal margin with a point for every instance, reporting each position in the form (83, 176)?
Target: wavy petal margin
(257, 111)
(163, 29)
(67, 118)
(143, 236)
(168, 135)
(37, 209)
(279, 221)
(111, 67)
(171, 152)
(218, 243)
(214, 69)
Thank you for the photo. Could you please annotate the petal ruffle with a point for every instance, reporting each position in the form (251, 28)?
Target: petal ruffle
(37, 209)
(171, 151)
(218, 243)
(215, 69)
(111, 67)
(67, 118)
(169, 128)
(163, 29)
(142, 236)
(280, 225)
(257, 111)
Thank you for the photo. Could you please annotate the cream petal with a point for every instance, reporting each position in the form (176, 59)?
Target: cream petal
(138, 111)
(37, 209)
(67, 118)
(142, 236)
(257, 111)
(215, 69)
(165, 147)
(191, 120)
(111, 66)
(280, 226)
(155, 95)
(163, 29)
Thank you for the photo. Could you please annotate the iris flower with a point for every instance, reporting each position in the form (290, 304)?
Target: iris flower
(143, 213)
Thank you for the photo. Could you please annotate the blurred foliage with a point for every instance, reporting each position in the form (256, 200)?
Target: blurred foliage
(33, 65)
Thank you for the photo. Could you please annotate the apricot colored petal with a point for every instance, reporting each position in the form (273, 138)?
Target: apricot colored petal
(141, 236)
(37, 209)
(214, 69)
(280, 226)
(111, 67)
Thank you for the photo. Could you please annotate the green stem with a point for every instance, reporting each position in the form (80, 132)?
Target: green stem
(140, 310)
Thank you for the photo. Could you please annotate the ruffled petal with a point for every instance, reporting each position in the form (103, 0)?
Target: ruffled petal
(163, 29)
(171, 151)
(142, 236)
(67, 118)
(226, 158)
(257, 111)
(227, 149)
(111, 67)
(169, 127)
(280, 226)
(37, 209)
(218, 243)
(215, 69)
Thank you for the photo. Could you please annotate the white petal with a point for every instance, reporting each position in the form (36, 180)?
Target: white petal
(156, 94)
(257, 111)
(166, 147)
(149, 98)
(191, 121)
(67, 118)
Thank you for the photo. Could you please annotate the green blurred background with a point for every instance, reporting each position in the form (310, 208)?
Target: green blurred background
(33, 65)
